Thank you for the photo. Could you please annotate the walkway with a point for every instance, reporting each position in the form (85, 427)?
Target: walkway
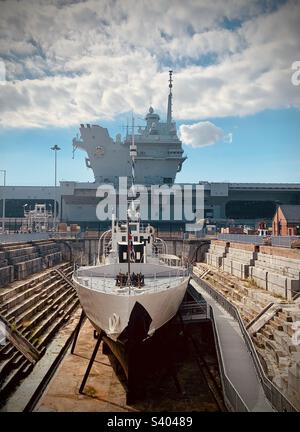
(238, 364)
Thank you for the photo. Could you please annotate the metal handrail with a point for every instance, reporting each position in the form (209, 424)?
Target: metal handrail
(273, 394)
(163, 243)
(127, 288)
(166, 274)
(99, 244)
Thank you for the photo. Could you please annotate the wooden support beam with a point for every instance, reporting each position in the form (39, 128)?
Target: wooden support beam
(20, 342)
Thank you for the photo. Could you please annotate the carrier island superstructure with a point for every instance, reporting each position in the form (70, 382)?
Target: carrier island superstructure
(159, 150)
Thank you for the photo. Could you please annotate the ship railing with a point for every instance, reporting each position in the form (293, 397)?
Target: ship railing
(92, 281)
(78, 273)
(82, 272)
(122, 227)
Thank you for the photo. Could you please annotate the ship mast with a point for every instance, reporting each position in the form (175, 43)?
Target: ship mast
(133, 153)
(169, 111)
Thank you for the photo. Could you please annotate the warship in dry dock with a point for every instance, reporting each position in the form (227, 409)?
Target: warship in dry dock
(134, 290)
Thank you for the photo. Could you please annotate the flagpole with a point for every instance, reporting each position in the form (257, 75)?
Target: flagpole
(132, 154)
(128, 253)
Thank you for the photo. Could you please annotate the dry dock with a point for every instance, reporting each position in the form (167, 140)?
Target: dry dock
(105, 393)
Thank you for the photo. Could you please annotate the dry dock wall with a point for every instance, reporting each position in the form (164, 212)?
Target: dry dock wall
(274, 269)
(85, 250)
(17, 261)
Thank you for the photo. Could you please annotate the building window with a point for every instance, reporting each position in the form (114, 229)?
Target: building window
(167, 180)
(123, 238)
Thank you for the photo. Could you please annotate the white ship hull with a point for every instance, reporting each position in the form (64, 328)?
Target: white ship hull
(110, 312)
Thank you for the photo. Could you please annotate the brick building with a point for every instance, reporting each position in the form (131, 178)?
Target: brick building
(286, 221)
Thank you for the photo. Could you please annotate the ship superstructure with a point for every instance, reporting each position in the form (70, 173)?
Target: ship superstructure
(159, 150)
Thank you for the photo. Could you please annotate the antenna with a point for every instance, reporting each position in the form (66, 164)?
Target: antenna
(169, 111)
(133, 153)
(170, 79)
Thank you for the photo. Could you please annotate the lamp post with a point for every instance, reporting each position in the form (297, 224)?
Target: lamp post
(50, 217)
(25, 220)
(3, 200)
(55, 148)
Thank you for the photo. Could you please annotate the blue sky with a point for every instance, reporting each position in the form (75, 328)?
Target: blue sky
(64, 63)
(265, 148)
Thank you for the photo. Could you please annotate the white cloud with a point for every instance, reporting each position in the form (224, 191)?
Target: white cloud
(203, 134)
(69, 62)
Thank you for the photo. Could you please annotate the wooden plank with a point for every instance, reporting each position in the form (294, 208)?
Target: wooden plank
(20, 342)
(63, 276)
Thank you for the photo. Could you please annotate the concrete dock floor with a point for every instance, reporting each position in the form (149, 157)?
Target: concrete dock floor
(105, 393)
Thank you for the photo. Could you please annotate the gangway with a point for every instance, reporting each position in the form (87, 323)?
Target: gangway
(242, 388)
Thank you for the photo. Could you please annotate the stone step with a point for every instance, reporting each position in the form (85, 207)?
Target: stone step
(7, 293)
(26, 294)
(289, 329)
(44, 340)
(26, 334)
(269, 328)
(47, 322)
(7, 364)
(279, 321)
(6, 350)
(26, 320)
(289, 272)
(23, 258)
(295, 315)
(20, 252)
(13, 313)
(41, 311)
(285, 316)
(50, 307)
(261, 339)
(275, 325)
(6, 275)
(275, 350)
(266, 333)
(258, 341)
(13, 379)
(17, 360)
